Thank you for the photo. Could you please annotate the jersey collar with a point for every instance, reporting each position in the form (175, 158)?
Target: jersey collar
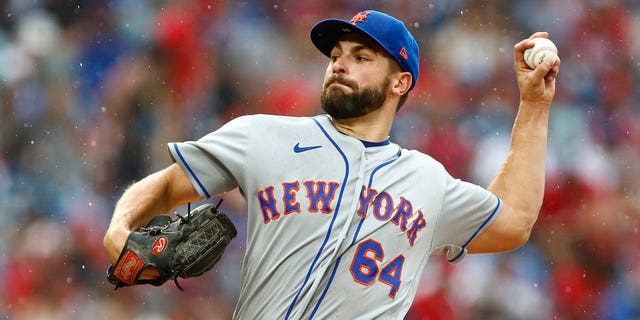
(368, 144)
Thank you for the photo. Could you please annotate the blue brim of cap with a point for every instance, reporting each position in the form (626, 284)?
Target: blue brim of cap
(326, 33)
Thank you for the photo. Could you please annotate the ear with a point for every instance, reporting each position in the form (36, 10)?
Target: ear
(401, 83)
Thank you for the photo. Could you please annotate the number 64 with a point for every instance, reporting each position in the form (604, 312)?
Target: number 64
(365, 267)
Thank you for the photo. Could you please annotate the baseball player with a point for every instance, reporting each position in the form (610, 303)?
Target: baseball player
(341, 220)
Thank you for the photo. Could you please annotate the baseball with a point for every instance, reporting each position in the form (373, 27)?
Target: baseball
(543, 48)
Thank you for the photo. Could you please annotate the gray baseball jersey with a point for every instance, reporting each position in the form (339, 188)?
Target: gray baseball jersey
(338, 228)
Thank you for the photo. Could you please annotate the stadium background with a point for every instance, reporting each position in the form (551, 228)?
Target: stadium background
(91, 92)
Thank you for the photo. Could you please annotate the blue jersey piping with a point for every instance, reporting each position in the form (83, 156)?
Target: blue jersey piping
(355, 236)
(477, 231)
(335, 214)
(193, 174)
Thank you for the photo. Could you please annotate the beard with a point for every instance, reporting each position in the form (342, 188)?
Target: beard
(340, 104)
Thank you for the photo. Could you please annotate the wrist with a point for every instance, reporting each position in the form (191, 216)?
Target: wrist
(114, 240)
(534, 109)
(535, 101)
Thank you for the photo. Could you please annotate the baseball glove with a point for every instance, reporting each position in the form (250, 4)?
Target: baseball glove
(185, 247)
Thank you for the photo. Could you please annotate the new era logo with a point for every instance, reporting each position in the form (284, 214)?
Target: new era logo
(403, 53)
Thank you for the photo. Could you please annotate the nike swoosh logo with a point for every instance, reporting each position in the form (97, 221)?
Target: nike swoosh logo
(297, 148)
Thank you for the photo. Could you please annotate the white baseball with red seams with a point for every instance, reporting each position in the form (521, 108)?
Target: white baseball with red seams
(543, 48)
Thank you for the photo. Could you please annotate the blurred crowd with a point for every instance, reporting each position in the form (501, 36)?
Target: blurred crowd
(91, 91)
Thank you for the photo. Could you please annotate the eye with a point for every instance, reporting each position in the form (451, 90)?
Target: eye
(334, 57)
(362, 58)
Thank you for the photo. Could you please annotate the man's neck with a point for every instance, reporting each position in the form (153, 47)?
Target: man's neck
(372, 127)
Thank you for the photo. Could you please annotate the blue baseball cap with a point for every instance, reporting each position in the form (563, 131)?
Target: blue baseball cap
(387, 31)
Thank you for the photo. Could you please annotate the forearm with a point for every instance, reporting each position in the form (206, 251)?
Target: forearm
(520, 181)
(141, 202)
(156, 194)
(138, 205)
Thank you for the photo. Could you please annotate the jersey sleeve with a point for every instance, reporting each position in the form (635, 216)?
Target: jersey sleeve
(467, 210)
(215, 162)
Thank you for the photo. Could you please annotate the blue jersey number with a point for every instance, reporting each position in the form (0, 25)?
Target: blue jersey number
(365, 267)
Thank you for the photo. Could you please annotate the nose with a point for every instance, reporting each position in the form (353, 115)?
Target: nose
(339, 66)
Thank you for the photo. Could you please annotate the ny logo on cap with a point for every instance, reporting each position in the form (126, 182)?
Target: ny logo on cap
(360, 17)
